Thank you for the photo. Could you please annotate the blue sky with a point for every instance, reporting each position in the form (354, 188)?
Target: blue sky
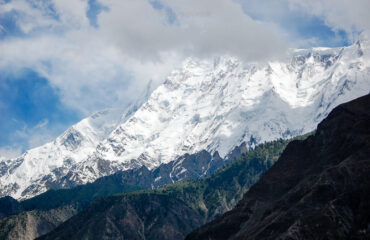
(298, 23)
(93, 11)
(31, 107)
(61, 61)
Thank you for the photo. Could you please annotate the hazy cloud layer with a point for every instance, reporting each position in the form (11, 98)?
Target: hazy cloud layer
(9, 152)
(133, 43)
(351, 16)
(199, 28)
(103, 54)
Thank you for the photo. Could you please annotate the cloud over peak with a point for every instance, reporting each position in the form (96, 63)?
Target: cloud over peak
(101, 53)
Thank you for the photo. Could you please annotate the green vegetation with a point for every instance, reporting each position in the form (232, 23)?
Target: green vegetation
(202, 200)
(202, 194)
(173, 211)
(29, 225)
(80, 196)
(43, 213)
(221, 191)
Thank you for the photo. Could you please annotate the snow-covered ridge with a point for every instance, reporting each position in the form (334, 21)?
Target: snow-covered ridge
(205, 104)
(73, 146)
(216, 105)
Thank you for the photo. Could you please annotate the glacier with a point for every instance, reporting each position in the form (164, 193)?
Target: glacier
(205, 104)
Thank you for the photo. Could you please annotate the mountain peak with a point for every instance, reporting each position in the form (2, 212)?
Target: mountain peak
(212, 105)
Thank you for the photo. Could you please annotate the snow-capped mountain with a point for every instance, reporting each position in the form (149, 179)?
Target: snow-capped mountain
(213, 105)
(217, 105)
(73, 146)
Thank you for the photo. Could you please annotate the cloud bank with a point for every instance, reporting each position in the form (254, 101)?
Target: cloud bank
(351, 16)
(133, 42)
(102, 53)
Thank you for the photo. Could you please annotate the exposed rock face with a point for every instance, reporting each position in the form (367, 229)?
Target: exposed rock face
(188, 166)
(30, 225)
(137, 216)
(318, 189)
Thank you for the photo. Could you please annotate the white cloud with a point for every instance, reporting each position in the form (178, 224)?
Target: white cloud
(28, 17)
(94, 68)
(9, 152)
(100, 67)
(339, 14)
(33, 136)
(72, 12)
(203, 28)
(42, 123)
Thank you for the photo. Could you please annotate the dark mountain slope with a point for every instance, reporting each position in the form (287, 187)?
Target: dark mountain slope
(135, 216)
(31, 224)
(9, 206)
(126, 181)
(41, 214)
(318, 189)
(173, 211)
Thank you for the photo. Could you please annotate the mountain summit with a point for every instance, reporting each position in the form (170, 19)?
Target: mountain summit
(204, 105)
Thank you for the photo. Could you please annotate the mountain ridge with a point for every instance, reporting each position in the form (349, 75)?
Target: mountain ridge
(212, 105)
(69, 202)
(203, 199)
(318, 189)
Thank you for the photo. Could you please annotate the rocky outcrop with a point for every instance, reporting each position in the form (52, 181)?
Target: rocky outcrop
(30, 225)
(136, 216)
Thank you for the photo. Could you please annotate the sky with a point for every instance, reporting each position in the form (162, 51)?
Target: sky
(63, 60)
